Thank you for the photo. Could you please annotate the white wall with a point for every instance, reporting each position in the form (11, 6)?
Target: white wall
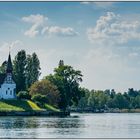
(10, 92)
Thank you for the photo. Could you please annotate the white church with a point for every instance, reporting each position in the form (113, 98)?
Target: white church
(7, 84)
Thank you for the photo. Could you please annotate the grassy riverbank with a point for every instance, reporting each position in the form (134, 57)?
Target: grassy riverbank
(23, 105)
(28, 108)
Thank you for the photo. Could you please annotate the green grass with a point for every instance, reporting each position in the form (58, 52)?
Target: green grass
(18, 105)
(51, 108)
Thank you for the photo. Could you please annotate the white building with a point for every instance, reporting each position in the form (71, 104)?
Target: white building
(7, 84)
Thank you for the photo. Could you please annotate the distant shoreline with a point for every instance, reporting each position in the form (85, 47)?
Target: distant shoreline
(106, 111)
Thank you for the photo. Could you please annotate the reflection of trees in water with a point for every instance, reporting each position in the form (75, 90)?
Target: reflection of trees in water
(63, 127)
(33, 127)
(64, 123)
(18, 122)
(18, 127)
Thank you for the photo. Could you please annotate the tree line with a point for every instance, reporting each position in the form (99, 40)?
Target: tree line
(104, 100)
(62, 88)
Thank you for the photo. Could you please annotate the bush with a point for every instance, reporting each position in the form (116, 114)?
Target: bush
(39, 98)
(23, 95)
(46, 90)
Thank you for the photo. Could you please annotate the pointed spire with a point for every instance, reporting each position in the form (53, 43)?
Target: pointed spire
(9, 65)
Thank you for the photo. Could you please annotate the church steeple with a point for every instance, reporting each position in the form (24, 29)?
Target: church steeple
(9, 65)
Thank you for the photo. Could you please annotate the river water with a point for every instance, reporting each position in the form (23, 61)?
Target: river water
(102, 125)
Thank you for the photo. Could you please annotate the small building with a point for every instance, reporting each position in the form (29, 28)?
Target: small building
(7, 84)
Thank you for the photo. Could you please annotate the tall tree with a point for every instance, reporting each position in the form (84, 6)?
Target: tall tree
(19, 70)
(67, 80)
(32, 69)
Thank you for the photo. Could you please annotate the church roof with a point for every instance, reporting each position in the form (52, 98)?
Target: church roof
(9, 65)
(2, 77)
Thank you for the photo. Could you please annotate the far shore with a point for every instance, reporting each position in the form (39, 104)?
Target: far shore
(106, 111)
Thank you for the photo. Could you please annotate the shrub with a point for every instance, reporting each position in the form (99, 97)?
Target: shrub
(23, 95)
(39, 98)
(47, 91)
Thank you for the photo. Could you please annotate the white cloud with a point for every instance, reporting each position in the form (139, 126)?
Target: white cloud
(85, 2)
(103, 4)
(112, 29)
(100, 4)
(56, 30)
(37, 22)
(39, 25)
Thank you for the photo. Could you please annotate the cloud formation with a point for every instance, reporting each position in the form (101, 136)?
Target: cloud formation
(111, 29)
(56, 30)
(39, 26)
(37, 22)
(100, 4)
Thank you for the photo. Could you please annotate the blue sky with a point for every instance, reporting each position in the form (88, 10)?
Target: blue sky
(102, 39)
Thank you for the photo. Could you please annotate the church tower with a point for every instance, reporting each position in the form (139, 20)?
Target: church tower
(7, 84)
(9, 65)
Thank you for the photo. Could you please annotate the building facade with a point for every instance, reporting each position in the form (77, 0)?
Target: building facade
(7, 84)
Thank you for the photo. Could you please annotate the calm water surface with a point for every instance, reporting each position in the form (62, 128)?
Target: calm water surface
(106, 125)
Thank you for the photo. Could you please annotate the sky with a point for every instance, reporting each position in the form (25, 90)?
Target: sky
(102, 39)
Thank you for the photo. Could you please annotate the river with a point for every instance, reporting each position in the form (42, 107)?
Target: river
(94, 125)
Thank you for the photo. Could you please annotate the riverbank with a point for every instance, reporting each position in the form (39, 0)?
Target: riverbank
(105, 111)
(34, 113)
(13, 107)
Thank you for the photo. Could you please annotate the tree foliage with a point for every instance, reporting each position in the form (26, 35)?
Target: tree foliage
(26, 70)
(23, 95)
(19, 70)
(32, 69)
(46, 88)
(3, 67)
(67, 80)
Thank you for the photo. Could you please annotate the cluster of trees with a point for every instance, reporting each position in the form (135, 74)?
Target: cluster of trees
(62, 88)
(26, 70)
(108, 99)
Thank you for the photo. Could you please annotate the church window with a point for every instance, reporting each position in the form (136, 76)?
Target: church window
(10, 92)
(8, 88)
(6, 92)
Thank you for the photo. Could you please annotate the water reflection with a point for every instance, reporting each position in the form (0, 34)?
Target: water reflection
(38, 127)
(18, 122)
(77, 126)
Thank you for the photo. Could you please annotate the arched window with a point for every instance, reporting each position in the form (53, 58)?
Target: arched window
(6, 91)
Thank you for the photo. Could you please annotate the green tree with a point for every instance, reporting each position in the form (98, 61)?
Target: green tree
(67, 80)
(19, 70)
(97, 100)
(83, 102)
(23, 95)
(46, 88)
(32, 69)
(3, 67)
(120, 101)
